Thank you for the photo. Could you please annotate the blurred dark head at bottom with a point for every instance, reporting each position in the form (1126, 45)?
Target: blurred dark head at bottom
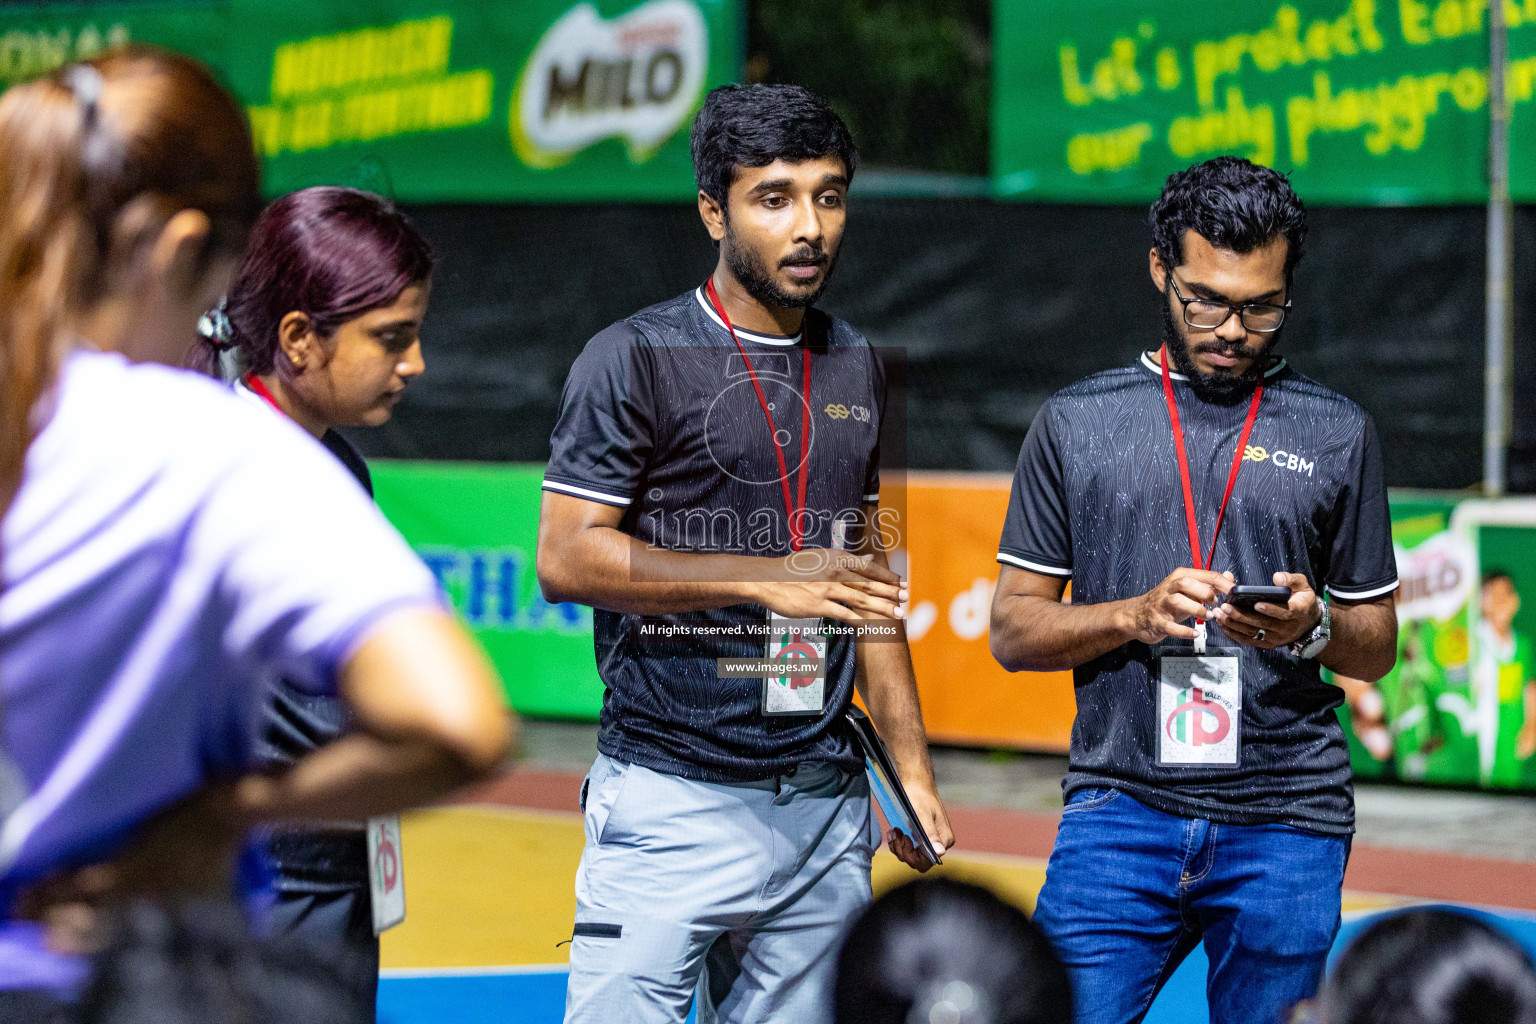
(1430, 966)
(940, 950)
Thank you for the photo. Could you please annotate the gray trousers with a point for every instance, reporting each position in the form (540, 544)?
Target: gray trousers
(739, 893)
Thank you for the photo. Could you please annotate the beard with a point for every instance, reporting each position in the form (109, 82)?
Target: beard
(1221, 387)
(749, 267)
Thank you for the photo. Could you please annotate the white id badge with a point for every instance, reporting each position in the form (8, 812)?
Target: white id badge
(1199, 708)
(386, 872)
(795, 640)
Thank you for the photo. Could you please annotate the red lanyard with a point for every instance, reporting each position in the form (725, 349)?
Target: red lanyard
(804, 467)
(1237, 462)
(254, 383)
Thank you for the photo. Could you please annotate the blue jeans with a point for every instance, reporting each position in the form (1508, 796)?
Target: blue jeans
(1129, 891)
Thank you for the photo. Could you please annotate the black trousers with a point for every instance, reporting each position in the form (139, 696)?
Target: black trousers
(337, 926)
(323, 903)
(28, 1007)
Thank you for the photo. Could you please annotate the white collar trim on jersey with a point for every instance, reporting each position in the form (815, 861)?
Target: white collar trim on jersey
(745, 335)
(243, 389)
(1150, 361)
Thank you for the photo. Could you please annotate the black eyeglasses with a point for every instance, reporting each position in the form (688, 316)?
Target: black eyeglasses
(1208, 314)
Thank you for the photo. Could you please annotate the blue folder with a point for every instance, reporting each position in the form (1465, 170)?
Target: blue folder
(886, 785)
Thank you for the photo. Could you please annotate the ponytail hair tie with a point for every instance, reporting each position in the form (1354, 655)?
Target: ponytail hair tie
(86, 83)
(214, 325)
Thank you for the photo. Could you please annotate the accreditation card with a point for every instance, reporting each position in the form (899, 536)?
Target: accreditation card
(792, 640)
(386, 872)
(1199, 707)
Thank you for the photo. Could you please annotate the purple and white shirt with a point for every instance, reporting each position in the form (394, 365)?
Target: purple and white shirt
(159, 570)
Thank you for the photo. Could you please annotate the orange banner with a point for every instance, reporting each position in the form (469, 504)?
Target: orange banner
(950, 548)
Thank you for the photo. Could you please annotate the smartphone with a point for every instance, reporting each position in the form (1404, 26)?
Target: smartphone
(1246, 597)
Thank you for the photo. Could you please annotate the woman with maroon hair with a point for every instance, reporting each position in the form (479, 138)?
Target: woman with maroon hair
(322, 324)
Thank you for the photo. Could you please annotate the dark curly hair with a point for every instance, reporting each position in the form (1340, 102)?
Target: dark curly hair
(937, 941)
(1232, 203)
(754, 125)
(1431, 966)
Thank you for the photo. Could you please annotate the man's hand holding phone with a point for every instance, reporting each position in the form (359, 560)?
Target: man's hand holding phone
(1269, 624)
(1166, 609)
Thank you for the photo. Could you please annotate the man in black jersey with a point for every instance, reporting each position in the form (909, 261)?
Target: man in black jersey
(1208, 793)
(710, 492)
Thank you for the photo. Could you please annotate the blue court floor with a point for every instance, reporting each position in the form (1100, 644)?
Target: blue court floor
(534, 995)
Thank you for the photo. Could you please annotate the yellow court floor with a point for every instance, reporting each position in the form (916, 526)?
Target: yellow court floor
(492, 886)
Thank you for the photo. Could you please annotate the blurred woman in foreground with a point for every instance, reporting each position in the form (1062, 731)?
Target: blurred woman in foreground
(155, 573)
(323, 325)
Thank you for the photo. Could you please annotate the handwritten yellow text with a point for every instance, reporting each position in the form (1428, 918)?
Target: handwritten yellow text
(368, 84)
(1169, 74)
(1424, 21)
(1393, 115)
(1520, 83)
(25, 54)
(455, 101)
(1238, 128)
(437, 105)
(1113, 76)
(1113, 150)
(367, 56)
(1284, 42)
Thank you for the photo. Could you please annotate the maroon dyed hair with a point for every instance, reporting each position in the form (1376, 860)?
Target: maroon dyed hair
(330, 253)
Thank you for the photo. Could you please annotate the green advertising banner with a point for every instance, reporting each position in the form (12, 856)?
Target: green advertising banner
(476, 526)
(1459, 708)
(434, 100)
(1362, 101)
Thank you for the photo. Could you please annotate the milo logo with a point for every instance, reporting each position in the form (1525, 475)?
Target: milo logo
(636, 77)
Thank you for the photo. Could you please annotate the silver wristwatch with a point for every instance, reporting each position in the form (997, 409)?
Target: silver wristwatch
(1311, 645)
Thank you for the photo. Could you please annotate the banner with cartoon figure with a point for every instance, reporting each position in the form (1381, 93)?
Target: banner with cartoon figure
(1503, 668)
(1460, 706)
(434, 100)
(1419, 723)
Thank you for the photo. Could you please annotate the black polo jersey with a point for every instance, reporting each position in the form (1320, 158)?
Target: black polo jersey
(298, 721)
(660, 417)
(1097, 497)
(295, 723)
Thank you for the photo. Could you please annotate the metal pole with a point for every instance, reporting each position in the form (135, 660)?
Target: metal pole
(1496, 409)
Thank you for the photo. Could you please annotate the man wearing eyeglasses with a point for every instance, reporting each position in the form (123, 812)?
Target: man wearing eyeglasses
(1208, 794)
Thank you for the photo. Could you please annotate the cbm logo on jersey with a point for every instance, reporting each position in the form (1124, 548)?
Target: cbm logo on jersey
(1280, 457)
(839, 411)
(636, 77)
